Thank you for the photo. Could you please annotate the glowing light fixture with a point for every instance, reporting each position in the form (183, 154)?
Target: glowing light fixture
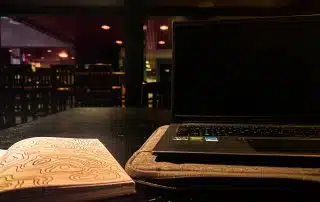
(148, 66)
(119, 42)
(144, 27)
(34, 66)
(10, 50)
(63, 89)
(161, 42)
(72, 58)
(118, 73)
(147, 62)
(63, 54)
(105, 27)
(42, 58)
(116, 87)
(49, 51)
(29, 55)
(164, 27)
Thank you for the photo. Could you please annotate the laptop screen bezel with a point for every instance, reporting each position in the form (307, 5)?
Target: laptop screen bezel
(180, 118)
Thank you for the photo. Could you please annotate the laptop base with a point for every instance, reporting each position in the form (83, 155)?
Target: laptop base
(227, 147)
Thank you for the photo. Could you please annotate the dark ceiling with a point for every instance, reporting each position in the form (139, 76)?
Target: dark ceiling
(82, 27)
(86, 29)
(78, 26)
(92, 43)
(155, 3)
(162, 7)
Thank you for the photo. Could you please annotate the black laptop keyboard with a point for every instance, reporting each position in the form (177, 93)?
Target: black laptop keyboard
(248, 130)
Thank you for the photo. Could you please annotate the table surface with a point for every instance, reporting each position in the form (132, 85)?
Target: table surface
(122, 131)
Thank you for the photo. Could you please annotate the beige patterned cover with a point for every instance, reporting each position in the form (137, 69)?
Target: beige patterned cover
(61, 163)
(2, 152)
(142, 165)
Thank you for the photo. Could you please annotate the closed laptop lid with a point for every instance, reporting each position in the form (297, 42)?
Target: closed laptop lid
(264, 69)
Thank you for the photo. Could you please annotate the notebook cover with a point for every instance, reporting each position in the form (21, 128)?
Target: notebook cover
(61, 163)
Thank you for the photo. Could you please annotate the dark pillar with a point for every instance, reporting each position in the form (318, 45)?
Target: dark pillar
(134, 49)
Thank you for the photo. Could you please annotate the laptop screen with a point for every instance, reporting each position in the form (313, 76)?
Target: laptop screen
(249, 68)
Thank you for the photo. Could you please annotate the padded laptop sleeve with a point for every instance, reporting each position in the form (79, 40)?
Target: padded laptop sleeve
(142, 166)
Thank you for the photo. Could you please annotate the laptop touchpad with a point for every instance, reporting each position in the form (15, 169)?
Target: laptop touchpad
(285, 145)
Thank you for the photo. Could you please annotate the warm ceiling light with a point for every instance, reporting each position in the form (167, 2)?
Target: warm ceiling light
(164, 27)
(10, 50)
(105, 27)
(63, 54)
(49, 51)
(29, 55)
(72, 58)
(119, 42)
(144, 27)
(161, 42)
(42, 58)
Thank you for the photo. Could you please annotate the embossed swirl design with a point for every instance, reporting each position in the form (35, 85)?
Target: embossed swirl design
(51, 161)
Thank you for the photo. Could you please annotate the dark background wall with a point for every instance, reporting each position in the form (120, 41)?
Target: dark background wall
(91, 53)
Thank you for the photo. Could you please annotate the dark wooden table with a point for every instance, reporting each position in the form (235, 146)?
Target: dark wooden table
(122, 131)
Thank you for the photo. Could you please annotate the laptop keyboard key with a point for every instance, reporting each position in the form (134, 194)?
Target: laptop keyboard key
(255, 131)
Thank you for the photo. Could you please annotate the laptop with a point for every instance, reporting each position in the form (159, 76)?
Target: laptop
(247, 87)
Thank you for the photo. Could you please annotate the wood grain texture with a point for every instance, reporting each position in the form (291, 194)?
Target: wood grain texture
(59, 162)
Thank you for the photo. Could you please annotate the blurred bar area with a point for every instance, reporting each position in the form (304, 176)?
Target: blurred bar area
(40, 75)
(48, 66)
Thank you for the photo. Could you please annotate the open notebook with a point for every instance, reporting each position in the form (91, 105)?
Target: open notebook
(67, 169)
